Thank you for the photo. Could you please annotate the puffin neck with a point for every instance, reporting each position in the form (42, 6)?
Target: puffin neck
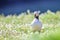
(37, 17)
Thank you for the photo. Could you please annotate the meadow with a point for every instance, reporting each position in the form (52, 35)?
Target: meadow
(13, 27)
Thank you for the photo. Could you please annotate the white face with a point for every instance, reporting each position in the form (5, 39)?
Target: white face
(37, 14)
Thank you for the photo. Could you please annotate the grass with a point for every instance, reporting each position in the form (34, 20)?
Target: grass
(18, 27)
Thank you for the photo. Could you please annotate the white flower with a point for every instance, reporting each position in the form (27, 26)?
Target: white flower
(8, 25)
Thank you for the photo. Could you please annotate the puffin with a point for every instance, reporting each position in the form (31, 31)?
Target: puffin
(36, 24)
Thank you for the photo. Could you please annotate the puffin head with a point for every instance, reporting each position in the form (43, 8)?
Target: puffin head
(36, 14)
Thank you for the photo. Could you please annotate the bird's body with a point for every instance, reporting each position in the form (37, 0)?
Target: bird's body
(36, 24)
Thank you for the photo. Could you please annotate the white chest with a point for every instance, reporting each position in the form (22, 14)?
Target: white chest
(36, 24)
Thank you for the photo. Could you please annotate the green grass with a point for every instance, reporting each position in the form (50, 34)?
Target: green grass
(18, 27)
